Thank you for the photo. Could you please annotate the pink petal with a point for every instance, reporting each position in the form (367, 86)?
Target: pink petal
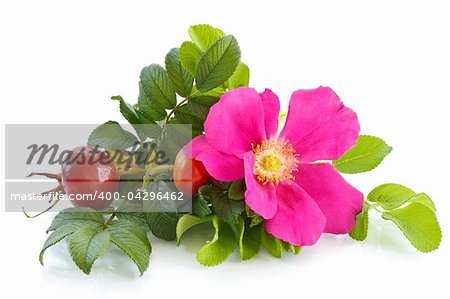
(271, 105)
(260, 198)
(236, 121)
(220, 166)
(319, 126)
(298, 220)
(339, 201)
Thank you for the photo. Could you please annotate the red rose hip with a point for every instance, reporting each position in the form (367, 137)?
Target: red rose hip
(187, 171)
(89, 179)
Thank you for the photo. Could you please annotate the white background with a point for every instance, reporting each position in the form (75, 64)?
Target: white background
(389, 61)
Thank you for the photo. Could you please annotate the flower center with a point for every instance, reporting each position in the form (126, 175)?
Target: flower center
(272, 163)
(275, 160)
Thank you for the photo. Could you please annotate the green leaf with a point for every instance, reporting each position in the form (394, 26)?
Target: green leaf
(237, 190)
(69, 221)
(139, 121)
(361, 228)
(190, 55)
(273, 245)
(226, 209)
(291, 248)
(218, 63)
(390, 196)
(148, 107)
(131, 239)
(188, 221)
(186, 116)
(367, 154)
(111, 135)
(200, 206)
(240, 77)
(145, 118)
(220, 247)
(423, 199)
(77, 217)
(204, 35)
(215, 92)
(133, 213)
(200, 105)
(162, 215)
(152, 131)
(57, 236)
(156, 91)
(175, 138)
(419, 224)
(181, 79)
(136, 217)
(86, 245)
(255, 218)
(127, 110)
(163, 224)
(249, 239)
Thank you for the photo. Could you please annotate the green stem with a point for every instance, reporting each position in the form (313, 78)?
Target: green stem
(174, 108)
(372, 206)
(113, 215)
(158, 169)
(378, 210)
(132, 171)
(166, 121)
(375, 206)
(154, 171)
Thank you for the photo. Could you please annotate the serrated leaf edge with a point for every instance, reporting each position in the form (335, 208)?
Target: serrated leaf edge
(390, 148)
(212, 70)
(180, 233)
(389, 217)
(141, 270)
(102, 250)
(215, 222)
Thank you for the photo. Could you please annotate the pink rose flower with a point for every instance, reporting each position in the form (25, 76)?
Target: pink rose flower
(299, 199)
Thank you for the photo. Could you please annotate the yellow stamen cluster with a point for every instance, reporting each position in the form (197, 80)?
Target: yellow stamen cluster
(275, 160)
